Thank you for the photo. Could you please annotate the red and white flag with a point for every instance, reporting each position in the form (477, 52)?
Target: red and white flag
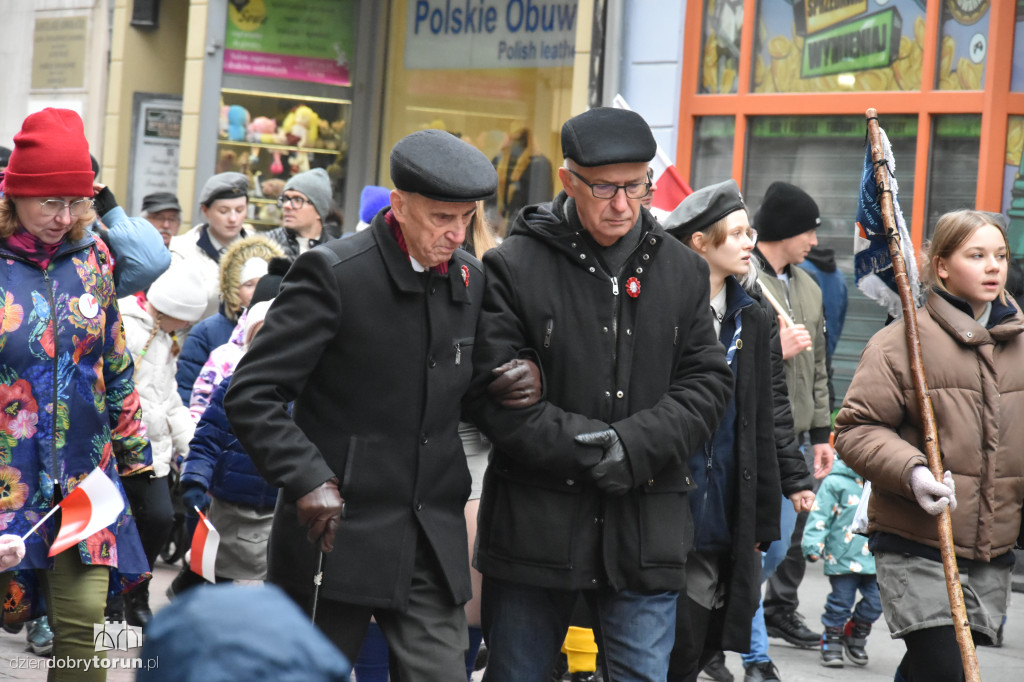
(94, 504)
(205, 542)
(672, 189)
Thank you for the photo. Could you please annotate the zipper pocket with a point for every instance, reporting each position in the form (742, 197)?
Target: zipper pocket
(549, 327)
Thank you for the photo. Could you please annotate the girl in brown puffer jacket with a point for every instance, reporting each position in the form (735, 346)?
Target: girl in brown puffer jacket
(973, 354)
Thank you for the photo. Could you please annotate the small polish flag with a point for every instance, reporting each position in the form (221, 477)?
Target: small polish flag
(205, 542)
(672, 189)
(94, 504)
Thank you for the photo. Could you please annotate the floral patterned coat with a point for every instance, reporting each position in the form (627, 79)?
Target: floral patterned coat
(67, 405)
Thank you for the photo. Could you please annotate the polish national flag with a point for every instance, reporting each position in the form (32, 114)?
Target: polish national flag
(205, 542)
(94, 504)
(672, 189)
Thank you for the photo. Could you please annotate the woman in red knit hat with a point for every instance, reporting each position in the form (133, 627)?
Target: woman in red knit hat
(67, 400)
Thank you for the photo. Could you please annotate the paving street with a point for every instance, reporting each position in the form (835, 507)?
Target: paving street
(795, 665)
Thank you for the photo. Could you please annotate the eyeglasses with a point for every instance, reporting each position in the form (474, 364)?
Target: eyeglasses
(295, 201)
(636, 190)
(78, 208)
(165, 219)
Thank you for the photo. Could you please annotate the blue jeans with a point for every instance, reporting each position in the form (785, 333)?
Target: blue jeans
(770, 560)
(839, 604)
(524, 627)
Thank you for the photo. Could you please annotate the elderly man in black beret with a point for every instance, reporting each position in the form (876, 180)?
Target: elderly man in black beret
(586, 491)
(371, 338)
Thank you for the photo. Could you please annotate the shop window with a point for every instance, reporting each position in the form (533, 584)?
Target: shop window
(286, 97)
(1017, 80)
(963, 45)
(855, 46)
(723, 24)
(825, 156)
(952, 166)
(501, 80)
(712, 150)
(1013, 183)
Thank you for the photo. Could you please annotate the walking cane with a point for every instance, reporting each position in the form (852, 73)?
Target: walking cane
(931, 437)
(318, 578)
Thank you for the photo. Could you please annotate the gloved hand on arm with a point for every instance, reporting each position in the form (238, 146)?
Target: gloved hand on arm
(516, 384)
(612, 474)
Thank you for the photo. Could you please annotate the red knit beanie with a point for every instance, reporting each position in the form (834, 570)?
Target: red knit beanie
(50, 157)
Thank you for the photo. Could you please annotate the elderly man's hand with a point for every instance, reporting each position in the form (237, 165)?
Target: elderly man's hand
(516, 384)
(320, 511)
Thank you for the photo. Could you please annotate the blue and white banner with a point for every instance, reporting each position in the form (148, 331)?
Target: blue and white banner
(872, 262)
(490, 34)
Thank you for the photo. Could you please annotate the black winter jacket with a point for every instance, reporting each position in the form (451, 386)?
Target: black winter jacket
(377, 359)
(650, 366)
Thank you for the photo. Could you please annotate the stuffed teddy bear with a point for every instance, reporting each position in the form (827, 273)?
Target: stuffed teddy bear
(272, 189)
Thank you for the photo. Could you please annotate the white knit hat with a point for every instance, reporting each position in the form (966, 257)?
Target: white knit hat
(254, 268)
(257, 313)
(179, 293)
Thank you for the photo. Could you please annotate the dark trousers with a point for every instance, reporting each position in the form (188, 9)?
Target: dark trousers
(781, 594)
(695, 627)
(932, 655)
(150, 499)
(427, 641)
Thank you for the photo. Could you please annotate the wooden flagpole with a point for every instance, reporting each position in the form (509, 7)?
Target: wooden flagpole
(931, 437)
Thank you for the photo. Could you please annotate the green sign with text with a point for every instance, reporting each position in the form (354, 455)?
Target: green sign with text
(870, 42)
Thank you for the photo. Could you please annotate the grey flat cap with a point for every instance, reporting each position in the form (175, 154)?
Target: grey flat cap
(160, 201)
(704, 208)
(440, 166)
(605, 135)
(224, 186)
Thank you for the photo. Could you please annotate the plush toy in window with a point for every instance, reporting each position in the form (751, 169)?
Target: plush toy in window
(238, 119)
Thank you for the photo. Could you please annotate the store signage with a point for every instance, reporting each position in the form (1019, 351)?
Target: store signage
(303, 40)
(868, 43)
(827, 126)
(490, 34)
(811, 16)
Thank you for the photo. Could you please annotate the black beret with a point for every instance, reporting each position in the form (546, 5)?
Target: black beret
(704, 208)
(785, 212)
(160, 201)
(228, 185)
(440, 166)
(605, 135)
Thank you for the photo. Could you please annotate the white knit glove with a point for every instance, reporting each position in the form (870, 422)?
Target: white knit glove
(932, 495)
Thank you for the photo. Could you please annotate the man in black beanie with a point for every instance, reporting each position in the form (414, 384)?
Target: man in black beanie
(787, 223)
(586, 491)
(371, 338)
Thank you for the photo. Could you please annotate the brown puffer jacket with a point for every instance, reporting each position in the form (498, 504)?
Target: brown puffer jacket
(975, 378)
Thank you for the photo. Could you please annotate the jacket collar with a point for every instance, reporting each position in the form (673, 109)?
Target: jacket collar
(205, 243)
(461, 270)
(951, 313)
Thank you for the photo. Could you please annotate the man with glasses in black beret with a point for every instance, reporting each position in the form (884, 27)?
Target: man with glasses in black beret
(586, 491)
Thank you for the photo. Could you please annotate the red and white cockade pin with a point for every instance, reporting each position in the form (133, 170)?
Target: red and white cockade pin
(465, 275)
(633, 287)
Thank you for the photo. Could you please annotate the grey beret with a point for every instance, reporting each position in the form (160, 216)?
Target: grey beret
(316, 185)
(160, 201)
(704, 208)
(224, 186)
(440, 166)
(605, 135)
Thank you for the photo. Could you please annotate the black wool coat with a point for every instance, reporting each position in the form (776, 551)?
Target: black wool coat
(650, 366)
(376, 358)
(759, 491)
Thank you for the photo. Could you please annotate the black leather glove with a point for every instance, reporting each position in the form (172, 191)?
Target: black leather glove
(319, 511)
(516, 384)
(194, 496)
(612, 474)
